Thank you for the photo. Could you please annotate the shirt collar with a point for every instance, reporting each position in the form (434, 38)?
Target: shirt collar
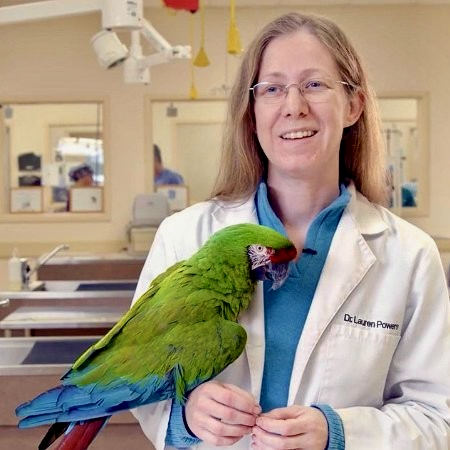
(267, 216)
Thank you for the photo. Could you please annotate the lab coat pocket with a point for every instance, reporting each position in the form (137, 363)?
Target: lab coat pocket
(357, 362)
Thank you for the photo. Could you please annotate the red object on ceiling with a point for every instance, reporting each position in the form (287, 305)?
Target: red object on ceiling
(189, 5)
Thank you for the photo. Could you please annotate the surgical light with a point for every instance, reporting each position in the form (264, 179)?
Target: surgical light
(108, 48)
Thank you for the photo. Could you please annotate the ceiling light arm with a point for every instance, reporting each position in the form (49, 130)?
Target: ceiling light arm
(165, 51)
(137, 66)
(162, 45)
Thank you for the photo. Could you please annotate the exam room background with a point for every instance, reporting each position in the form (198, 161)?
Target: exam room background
(405, 47)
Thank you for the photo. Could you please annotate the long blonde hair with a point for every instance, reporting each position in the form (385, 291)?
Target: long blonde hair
(362, 152)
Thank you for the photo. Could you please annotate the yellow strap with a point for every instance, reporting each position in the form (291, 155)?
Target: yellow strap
(232, 11)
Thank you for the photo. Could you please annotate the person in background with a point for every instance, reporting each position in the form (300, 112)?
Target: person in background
(353, 351)
(163, 175)
(82, 175)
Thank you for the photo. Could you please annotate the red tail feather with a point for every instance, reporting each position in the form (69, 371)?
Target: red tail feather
(82, 434)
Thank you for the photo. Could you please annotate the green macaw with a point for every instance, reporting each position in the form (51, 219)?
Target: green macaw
(180, 333)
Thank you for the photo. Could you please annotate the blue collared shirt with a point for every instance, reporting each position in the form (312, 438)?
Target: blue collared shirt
(286, 309)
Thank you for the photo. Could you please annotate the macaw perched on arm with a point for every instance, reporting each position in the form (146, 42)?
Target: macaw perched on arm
(180, 333)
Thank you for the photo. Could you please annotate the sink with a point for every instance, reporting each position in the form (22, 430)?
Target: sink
(107, 286)
(57, 351)
(42, 350)
(18, 355)
(96, 285)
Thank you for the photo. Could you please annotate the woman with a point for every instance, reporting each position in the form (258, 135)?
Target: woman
(352, 352)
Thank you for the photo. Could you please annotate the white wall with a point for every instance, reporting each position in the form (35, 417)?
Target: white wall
(406, 49)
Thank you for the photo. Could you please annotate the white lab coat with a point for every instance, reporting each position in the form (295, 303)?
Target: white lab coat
(376, 342)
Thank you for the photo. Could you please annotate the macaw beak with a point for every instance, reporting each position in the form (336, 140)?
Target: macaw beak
(277, 273)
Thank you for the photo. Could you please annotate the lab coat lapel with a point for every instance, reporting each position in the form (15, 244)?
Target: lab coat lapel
(253, 322)
(349, 259)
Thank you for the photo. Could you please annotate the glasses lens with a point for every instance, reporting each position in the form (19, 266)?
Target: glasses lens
(269, 92)
(317, 90)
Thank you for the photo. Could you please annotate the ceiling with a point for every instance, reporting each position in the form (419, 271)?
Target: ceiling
(240, 3)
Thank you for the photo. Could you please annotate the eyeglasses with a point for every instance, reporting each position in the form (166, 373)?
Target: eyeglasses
(317, 90)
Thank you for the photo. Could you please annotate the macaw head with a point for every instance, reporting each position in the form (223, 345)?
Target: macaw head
(256, 252)
(267, 263)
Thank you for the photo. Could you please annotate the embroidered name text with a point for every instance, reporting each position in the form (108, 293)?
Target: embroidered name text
(370, 323)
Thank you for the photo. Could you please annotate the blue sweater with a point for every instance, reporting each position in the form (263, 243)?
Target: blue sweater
(286, 309)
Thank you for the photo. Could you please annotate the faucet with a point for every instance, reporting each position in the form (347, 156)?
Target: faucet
(28, 272)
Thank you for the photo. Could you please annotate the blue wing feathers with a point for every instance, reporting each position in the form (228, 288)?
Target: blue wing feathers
(72, 403)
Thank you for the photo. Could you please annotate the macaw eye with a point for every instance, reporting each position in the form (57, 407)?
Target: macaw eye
(257, 249)
(258, 254)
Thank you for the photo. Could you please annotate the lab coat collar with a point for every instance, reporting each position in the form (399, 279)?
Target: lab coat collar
(367, 217)
(230, 213)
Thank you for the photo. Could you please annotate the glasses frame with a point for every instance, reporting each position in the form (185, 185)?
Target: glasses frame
(299, 86)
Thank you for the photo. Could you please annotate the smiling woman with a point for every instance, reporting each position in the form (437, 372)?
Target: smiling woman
(43, 143)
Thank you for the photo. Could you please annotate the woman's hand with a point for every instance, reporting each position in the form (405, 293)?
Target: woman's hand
(293, 427)
(220, 414)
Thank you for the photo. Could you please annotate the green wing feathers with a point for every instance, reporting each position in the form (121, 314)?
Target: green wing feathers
(138, 308)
